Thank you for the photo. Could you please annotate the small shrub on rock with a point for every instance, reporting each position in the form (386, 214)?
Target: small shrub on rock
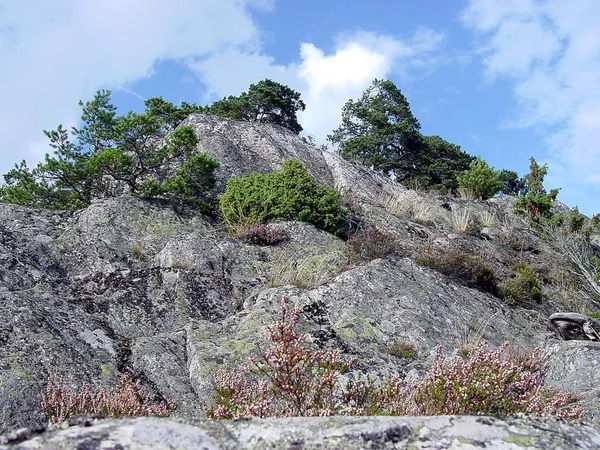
(505, 381)
(262, 234)
(524, 286)
(293, 379)
(369, 243)
(467, 269)
(60, 402)
(481, 179)
(289, 194)
(402, 350)
(288, 379)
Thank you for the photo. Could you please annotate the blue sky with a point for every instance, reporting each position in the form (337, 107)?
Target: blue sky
(506, 80)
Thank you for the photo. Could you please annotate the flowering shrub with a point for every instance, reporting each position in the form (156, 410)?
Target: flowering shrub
(288, 379)
(263, 235)
(492, 382)
(292, 379)
(61, 403)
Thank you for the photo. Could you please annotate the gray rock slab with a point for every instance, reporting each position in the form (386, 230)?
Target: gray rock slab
(326, 433)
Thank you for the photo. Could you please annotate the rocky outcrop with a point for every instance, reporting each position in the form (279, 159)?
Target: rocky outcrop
(131, 286)
(247, 147)
(575, 366)
(574, 326)
(347, 433)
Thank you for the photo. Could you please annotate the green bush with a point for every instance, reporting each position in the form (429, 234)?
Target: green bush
(289, 194)
(536, 203)
(467, 269)
(536, 206)
(523, 286)
(482, 179)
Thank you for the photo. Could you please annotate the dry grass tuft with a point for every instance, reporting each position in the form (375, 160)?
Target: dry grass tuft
(461, 220)
(306, 272)
(487, 219)
(466, 193)
(137, 252)
(409, 204)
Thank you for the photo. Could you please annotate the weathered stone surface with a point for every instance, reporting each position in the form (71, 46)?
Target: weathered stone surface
(246, 147)
(575, 366)
(574, 326)
(132, 286)
(324, 433)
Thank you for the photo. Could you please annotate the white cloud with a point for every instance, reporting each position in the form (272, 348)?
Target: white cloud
(326, 80)
(56, 53)
(550, 51)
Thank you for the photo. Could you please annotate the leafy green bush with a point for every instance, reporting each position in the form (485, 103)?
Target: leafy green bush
(482, 179)
(467, 269)
(523, 286)
(536, 206)
(289, 194)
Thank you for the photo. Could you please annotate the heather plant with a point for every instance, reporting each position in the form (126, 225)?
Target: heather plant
(291, 378)
(505, 381)
(60, 402)
(287, 379)
(402, 350)
(262, 234)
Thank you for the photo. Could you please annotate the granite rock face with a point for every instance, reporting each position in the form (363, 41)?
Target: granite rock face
(323, 433)
(131, 286)
(575, 366)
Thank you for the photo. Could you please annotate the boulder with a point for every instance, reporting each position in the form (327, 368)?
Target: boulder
(323, 433)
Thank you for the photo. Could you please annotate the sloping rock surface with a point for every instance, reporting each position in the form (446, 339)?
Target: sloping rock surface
(331, 433)
(246, 147)
(575, 365)
(130, 286)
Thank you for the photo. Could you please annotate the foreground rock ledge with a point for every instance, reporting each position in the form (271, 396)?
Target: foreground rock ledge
(442, 432)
